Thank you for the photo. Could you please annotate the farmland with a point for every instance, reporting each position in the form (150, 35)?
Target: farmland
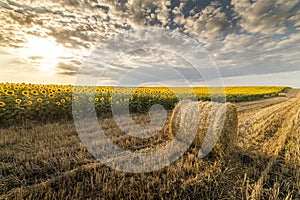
(31, 103)
(48, 160)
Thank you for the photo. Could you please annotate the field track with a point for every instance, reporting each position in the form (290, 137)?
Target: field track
(266, 129)
(51, 162)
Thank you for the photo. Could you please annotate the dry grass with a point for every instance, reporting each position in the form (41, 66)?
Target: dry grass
(50, 162)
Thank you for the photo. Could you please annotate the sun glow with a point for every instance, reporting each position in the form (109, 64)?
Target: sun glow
(43, 52)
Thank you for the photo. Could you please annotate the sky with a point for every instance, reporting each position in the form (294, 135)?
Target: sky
(249, 42)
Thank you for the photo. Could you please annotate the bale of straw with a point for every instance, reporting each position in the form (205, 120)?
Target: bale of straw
(282, 95)
(217, 126)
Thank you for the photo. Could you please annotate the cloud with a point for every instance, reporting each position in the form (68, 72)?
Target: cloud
(77, 24)
(264, 17)
(270, 79)
(243, 37)
(210, 23)
(130, 61)
(244, 54)
(67, 68)
(205, 22)
(163, 13)
(143, 12)
(295, 20)
(82, 19)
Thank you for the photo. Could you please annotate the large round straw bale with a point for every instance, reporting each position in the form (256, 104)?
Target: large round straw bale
(217, 127)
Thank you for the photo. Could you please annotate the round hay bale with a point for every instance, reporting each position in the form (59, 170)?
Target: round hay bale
(282, 95)
(217, 126)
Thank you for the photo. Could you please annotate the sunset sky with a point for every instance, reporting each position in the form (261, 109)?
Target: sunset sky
(252, 42)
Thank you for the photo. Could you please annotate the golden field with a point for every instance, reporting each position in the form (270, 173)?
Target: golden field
(42, 156)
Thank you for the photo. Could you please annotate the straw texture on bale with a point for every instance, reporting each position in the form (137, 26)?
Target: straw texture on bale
(217, 126)
(282, 95)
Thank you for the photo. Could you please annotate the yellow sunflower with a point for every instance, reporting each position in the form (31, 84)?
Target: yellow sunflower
(43, 92)
(18, 101)
(2, 104)
(34, 92)
(39, 100)
(51, 95)
(25, 93)
(10, 93)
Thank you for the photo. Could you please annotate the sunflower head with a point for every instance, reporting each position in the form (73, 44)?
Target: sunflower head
(2, 104)
(10, 93)
(39, 100)
(51, 95)
(34, 92)
(25, 93)
(18, 101)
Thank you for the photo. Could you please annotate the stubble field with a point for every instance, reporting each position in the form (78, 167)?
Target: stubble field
(51, 162)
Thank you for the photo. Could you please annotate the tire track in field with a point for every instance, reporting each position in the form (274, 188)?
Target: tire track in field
(257, 127)
(260, 104)
(276, 145)
(284, 176)
(265, 132)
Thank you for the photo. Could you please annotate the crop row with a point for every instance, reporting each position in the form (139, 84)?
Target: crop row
(31, 103)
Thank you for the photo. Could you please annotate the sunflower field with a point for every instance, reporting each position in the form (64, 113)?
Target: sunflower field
(37, 103)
